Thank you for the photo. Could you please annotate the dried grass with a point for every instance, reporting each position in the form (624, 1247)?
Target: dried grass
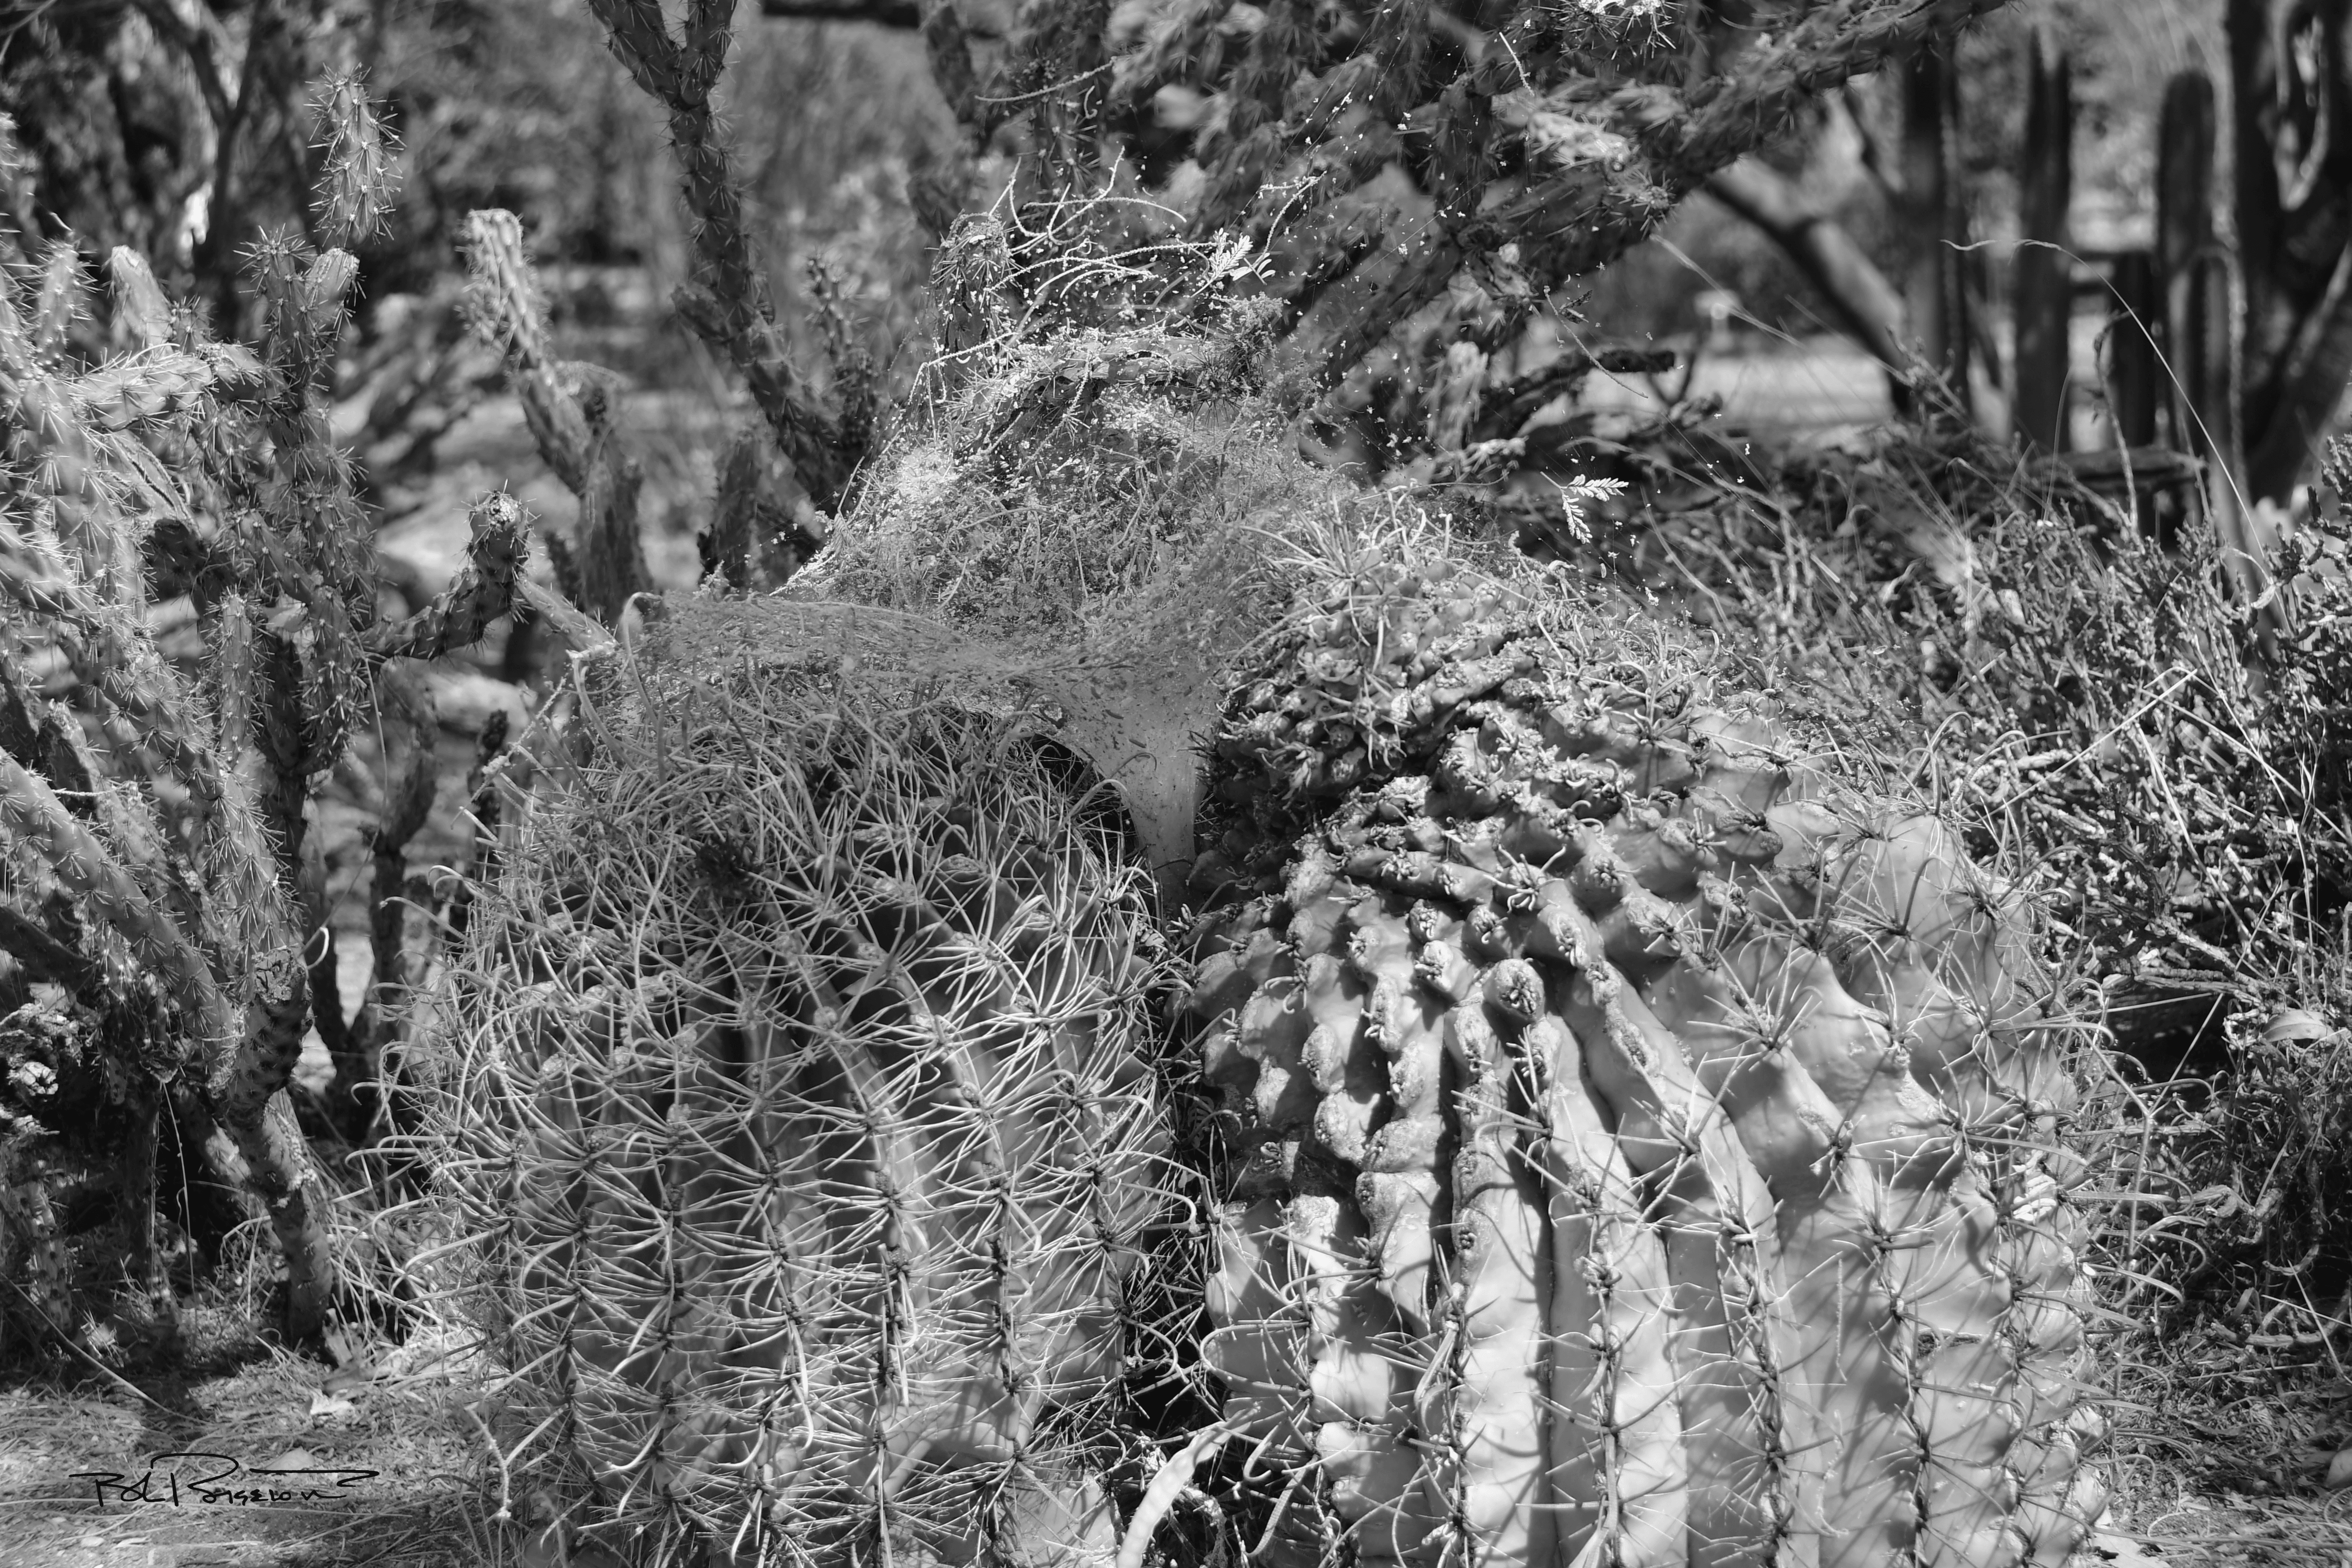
(1092, 464)
(2083, 705)
(400, 1413)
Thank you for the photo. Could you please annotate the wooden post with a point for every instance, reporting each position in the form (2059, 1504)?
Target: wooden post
(2201, 290)
(1933, 210)
(2197, 400)
(2044, 288)
(2135, 370)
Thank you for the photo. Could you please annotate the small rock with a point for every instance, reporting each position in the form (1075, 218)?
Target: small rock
(343, 1379)
(2296, 1026)
(2339, 1471)
(2116, 1550)
(465, 700)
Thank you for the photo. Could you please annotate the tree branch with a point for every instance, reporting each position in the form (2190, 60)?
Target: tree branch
(197, 43)
(1867, 305)
(2310, 385)
(43, 957)
(1514, 403)
(1633, 151)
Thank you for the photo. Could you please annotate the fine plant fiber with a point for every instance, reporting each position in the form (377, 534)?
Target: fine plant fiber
(1094, 445)
(2088, 706)
(1077, 514)
(800, 1084)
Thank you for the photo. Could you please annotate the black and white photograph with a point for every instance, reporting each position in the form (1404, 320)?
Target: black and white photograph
(1175, 784)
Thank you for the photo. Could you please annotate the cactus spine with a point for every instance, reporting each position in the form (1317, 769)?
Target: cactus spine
(1645, 1149)
(799, 1089)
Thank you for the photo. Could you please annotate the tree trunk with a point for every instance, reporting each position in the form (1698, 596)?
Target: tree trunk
(2046, 284)
(2201, 277)
(2186, 249)
(137, 1205)
(1866, 302)
(201, 1170)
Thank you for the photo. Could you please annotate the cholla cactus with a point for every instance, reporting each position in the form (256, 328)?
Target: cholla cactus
(165, 836)
(569, 409)
(1541, 140)
(727, 304)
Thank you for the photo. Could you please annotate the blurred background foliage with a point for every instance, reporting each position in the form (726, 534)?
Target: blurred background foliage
(516, 105)
(520, 105)
(2123, 55)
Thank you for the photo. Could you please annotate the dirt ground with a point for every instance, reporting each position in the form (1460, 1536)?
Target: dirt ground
(167, 1469)
(2218, 1468)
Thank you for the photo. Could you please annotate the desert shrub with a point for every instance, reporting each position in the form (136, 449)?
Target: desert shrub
(2094, 708)
(160, 872)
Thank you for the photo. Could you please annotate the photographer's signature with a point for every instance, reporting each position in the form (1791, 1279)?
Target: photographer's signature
(194, 1476)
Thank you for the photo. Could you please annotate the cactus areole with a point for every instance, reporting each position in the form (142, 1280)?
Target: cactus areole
(1640, 1149)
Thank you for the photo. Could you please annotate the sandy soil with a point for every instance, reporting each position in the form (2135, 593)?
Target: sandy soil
(159, 1470)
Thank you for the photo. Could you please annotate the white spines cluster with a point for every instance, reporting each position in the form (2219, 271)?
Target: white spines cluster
(801, 1089)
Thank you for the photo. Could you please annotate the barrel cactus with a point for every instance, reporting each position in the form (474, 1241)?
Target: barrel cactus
(801, 1085)
(1639, 1146)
